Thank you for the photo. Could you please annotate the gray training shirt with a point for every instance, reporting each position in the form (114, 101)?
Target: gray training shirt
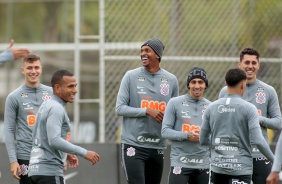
(51, 138)
(229, 124)
(276, 167)
(20, 115)
(264, 97)
(184, 114)
(6, 56)
(138, 91)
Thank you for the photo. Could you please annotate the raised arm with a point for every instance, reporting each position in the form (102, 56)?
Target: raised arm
(11, 54)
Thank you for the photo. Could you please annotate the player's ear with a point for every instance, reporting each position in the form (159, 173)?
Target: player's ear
(56, 88)
(239, 63)
(243, 84)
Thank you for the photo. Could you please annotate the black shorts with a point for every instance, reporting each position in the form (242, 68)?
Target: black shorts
(217, 178)
(142, 165)
(24, 169)
(182, 175)
(261, 169)
(38, 179)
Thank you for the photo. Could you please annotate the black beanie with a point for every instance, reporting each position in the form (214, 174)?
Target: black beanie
(198, 72)
(157, 45)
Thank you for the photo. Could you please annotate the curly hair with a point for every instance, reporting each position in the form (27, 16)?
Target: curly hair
(234, 76)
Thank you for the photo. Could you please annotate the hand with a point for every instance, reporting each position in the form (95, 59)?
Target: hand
(65, 166)
(92, 156)
(16, 170)
(194, 136)
(155, 114)
(73, 160)
(273, 178)
(18, 52)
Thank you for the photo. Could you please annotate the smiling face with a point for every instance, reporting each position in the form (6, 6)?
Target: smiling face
(149, 58)
(250, 65)
(66, 89)
(32, 71)
(197, 88)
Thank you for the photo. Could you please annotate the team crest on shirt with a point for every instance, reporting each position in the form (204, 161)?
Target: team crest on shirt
(46, 97)
(176, 170)
(164, 89)
(24, 169)
(130, 152)
(260, 97)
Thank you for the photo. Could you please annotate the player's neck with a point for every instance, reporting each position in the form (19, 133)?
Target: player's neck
(234, 91)
(32, 85)
(251, 81)
(152, 69)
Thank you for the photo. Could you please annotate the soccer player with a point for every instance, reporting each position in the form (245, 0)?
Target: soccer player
(264, 97)
(51, 134)
(142, 98)
(189, 161)
(20, 116)
(230, 124)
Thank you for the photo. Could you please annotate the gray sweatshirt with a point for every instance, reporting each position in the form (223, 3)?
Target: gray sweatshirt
(264, 97)
(138, 91)
(276, 167)
(6, 56)
(51, 138)
(184, 114)
(229, 124)
(20, 115)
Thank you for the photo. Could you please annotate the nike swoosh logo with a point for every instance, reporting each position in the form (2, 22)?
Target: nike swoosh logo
(70, 175)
